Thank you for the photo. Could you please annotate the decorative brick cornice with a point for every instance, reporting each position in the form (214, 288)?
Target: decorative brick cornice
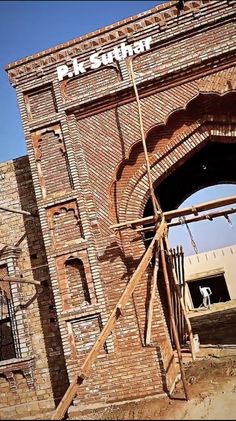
(109, 33)
(8, 369)
(164, 17)
(9, 252)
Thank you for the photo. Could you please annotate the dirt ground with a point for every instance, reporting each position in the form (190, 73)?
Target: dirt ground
(211, 382)
(211, 377)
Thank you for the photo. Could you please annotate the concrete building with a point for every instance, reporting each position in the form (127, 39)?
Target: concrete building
(85, 171)
(215, 269)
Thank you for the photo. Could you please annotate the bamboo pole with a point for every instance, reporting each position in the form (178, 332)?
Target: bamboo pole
(172, 319)
(155, 204)
(19, 280)
(35, 268)
(205, 217)
(189, 327)
(213, 204)
(133, 222)
(151, 301)
(22, 212)
(204, 206)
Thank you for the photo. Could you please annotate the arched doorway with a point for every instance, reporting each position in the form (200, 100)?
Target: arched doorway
(211, 165)
(213, 266)
(194, 149)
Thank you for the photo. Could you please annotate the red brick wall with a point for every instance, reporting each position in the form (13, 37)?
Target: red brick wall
(90, 83)
(102, 172)
(35, 103)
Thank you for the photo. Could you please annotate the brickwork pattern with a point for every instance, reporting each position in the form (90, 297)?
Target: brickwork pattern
(49, 147)
(191, 58)
(37, 326)
(35, 103)
(65, 224)
(80, 86)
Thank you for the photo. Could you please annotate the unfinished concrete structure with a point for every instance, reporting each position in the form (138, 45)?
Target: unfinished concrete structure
(214, 268)
(88, 172)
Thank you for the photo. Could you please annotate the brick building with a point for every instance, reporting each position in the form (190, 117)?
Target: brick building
(86, 170)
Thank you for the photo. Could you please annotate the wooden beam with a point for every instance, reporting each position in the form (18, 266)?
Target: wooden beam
(207, 217)
(172, 319)
(151, 301)
(168, 215)
(115, 314)
(134, 222)
(22, 212)
(18, 279)
(213, 204)
(66, 401)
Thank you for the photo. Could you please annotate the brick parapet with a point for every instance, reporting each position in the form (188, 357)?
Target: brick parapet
(195, 15)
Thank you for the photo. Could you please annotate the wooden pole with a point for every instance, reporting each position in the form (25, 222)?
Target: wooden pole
(205, 206)
(18, 279)
(134, 222)
(172, 319)
(68, 397)
(175, 283)
(22, 212)
(115, 314)
(213, 204)
(155, 204)
(205, 217)
(151, 302)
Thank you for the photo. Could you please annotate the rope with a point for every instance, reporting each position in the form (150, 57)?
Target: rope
(183, 221)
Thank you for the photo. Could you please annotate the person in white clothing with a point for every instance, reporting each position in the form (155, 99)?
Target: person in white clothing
(206, 292)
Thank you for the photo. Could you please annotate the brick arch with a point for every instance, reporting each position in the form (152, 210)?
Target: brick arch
(137, 192)
(213, 164)
(177, 99)
(168, 154)
(165, 106)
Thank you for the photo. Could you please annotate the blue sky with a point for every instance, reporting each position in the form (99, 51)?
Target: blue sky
(207, 235)
(27, 27)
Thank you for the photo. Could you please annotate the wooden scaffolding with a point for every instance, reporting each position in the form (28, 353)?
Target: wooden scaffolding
(158, 246)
